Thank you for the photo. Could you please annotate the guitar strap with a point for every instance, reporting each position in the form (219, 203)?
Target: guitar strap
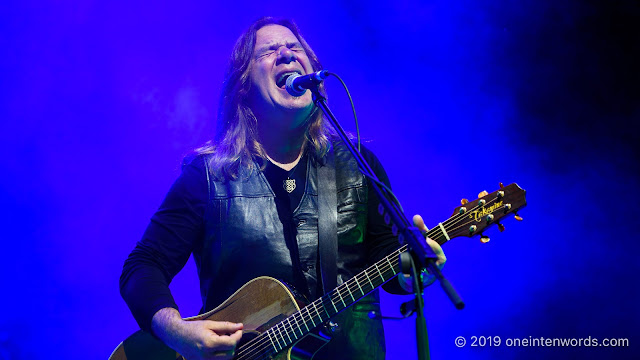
(328, 223)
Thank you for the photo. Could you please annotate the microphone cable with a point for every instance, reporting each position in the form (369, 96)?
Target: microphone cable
(355, 117)
(352, 106)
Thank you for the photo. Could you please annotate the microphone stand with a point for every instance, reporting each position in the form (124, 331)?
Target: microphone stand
(421, 254)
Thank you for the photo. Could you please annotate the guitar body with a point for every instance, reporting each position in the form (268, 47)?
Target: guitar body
(259, 304)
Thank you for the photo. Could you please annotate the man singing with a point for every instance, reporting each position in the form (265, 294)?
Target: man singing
(247, 205)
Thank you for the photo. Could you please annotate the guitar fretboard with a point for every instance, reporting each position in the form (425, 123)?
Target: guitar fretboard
(467, 220)
(290, 330)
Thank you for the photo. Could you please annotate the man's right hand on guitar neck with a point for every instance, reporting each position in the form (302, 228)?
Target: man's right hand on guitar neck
(198, 339)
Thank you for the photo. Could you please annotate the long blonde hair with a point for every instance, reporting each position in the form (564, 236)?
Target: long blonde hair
(236, 144)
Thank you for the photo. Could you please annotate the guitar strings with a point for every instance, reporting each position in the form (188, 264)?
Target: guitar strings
(450, 224)
(299, 314)
(262, 344)
(345, 287)
(386, 266)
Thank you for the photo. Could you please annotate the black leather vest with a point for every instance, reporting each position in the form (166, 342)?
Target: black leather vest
(245, 239)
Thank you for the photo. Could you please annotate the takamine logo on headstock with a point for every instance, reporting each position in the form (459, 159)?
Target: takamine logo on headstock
(478, 214)
(472, 218)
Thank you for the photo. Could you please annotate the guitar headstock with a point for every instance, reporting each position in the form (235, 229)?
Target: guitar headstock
(473, 217)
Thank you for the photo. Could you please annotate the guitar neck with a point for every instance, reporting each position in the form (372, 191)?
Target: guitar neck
(467, 220)
(324, 308)
(359, 286)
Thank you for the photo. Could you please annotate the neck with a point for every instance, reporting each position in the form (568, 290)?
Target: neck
(289, 165)
(284, 147)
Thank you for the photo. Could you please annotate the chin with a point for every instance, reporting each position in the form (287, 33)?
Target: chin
(300, 103)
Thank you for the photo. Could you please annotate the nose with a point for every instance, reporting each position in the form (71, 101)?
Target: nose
(285, 55)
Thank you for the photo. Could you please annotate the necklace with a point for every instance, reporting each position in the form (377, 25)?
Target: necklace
(289, 184)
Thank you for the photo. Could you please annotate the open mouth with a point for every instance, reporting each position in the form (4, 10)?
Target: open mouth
(281, 80)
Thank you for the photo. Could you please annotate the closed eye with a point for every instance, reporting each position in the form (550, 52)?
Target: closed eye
(295, 47)
(266, 53)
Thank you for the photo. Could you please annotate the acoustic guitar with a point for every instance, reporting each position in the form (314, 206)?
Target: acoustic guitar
(279, 325)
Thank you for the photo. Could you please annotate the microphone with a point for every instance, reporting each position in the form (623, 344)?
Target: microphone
(297, 85)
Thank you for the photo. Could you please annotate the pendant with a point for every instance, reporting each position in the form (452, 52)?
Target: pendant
(289, 185)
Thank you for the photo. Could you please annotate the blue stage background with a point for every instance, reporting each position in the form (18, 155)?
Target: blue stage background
(100, 101)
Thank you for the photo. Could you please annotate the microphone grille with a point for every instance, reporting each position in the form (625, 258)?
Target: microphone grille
(291, 89)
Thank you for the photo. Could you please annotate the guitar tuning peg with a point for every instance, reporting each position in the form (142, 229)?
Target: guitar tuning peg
(464, 201)
(484, 239)
(517, 217)
(500, 227)
(483, 193)
(501, 186)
